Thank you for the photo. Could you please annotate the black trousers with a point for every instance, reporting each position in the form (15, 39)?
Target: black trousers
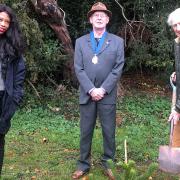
(2, 136)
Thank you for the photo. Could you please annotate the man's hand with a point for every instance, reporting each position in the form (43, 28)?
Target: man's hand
(174, 116)
(97, 94)
(173, 77)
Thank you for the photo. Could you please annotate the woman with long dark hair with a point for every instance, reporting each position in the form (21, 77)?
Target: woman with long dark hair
(12, 71)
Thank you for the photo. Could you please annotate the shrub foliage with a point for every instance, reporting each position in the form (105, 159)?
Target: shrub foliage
(153, 49)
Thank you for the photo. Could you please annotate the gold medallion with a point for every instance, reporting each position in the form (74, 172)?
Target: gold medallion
(95, 59)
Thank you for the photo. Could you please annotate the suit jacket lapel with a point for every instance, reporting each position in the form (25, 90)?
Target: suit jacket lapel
(89, 42)
(105, 44)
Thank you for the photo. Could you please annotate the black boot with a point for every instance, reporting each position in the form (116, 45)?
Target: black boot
(2, 143)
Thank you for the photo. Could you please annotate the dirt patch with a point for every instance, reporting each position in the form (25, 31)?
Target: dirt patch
(144, 83)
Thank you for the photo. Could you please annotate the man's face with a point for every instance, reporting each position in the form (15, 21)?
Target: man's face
(4, 22)
(176, 28)
(99, 20)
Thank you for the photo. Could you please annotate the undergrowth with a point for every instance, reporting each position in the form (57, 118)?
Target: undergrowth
(43, 142)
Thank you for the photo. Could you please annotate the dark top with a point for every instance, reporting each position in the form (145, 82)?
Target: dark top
(177, 69)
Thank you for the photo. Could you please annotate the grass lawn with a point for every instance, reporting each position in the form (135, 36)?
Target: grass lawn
(45, 145)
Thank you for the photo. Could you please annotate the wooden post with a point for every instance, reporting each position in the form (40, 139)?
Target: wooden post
(125, 150)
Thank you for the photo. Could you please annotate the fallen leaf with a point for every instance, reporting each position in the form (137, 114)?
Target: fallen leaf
(11, 167)
(85, 178)
(44, 140)
(37, 170)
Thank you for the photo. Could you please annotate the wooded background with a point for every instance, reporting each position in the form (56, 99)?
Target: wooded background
(51, 27)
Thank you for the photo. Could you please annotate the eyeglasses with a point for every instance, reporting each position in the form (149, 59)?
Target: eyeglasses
(97, 15)
(176, 26)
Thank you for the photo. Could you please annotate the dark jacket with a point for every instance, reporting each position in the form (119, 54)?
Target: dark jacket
(177, 68)
(13, 94)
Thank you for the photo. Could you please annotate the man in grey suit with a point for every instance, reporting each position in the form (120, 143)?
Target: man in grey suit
(98, 62)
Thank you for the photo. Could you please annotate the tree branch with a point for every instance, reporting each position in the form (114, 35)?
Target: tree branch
(122, 9)
(31, 84)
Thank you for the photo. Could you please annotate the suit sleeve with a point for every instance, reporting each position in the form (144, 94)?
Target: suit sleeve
(19, 76)
(113, 77)
(82, 77)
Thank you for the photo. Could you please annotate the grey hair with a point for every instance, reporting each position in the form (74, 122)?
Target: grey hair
(174, 17)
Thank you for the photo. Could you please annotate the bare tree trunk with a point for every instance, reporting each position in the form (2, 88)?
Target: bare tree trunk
(63, 35)
(54, 16)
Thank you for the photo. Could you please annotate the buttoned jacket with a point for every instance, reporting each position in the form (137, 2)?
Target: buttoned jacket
(105, 73)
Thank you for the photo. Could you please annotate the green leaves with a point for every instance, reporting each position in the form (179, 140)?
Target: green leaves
(144, 125)
(131, 171)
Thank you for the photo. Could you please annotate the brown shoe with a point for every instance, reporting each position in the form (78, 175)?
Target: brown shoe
(109, 174)
(79, 174)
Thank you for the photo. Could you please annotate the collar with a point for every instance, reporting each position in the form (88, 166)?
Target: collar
(106, 43)
(177, 40)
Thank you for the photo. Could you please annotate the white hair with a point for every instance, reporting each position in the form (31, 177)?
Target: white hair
(174, 17)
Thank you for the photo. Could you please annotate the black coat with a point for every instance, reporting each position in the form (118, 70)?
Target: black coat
(13, 94)
(177, 68)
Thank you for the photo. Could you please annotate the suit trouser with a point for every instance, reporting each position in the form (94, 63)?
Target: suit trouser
(88, 115)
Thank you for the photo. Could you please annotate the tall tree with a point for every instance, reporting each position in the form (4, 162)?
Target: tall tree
(54, 16)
